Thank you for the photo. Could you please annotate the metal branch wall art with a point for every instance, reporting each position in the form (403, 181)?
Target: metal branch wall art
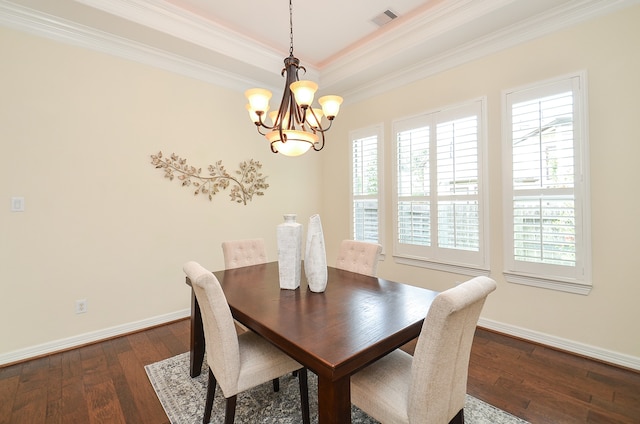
(247, 181)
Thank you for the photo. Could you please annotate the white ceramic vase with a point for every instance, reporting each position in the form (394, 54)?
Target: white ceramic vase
(315, 256)
(289, 239)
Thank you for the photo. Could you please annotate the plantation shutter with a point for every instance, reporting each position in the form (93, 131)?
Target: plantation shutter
(546, 208)
(457, 172)
(365, 189)
(544, 218)
(414, 187)
(439, 219)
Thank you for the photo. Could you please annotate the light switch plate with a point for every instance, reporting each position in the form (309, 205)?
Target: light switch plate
(17, 204)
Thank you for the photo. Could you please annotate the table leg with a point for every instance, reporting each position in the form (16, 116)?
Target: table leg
(196, 355)
(334, 401)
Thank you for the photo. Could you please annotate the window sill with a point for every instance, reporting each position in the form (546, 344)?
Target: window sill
(442, 266)
(547, 283)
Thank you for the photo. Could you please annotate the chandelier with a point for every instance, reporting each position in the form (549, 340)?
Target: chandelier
(296, 126)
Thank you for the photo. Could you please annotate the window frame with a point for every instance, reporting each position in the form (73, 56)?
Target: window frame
(576, 279)
(433, 257)
(377, 131)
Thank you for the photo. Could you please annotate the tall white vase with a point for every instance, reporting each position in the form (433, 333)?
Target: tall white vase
(289, 238)
(315, 256)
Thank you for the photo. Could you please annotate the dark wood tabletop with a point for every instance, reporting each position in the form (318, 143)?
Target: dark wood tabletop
(355, 321)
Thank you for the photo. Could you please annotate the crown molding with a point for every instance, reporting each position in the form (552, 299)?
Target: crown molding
(382, 64)
(182, 24)
(55, 28)
(335, 75)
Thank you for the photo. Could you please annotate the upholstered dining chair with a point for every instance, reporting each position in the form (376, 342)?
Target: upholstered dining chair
(239, 253)
(431, 386)
(359, 256)
(244, 252)
(236, 362)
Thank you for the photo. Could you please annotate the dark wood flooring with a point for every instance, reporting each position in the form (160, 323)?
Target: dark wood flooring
(106, 382)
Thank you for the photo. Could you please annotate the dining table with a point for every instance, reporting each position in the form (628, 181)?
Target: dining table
(355, 321)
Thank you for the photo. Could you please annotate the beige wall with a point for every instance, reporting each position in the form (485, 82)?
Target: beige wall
(609, 50)
(77, 128)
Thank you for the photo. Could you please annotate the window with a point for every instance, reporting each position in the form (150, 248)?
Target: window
(546, 206)
(366, 171)
(439, 216)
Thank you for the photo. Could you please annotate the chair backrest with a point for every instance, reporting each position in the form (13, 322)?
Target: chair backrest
(222, 348)
(441, 357)
(359, 256)
(239, 253)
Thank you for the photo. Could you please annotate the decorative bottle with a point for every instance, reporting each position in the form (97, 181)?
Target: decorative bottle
(315, 256)
(289, 238)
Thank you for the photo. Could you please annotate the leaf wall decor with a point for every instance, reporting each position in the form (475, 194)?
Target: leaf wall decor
(245, 183)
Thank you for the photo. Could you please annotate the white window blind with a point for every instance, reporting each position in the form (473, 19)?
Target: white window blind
(366, 185)
(547, 196)
(458, 205)
(439, 215)
(414, 220)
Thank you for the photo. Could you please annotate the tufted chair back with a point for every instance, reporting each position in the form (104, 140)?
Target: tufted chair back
(429, 387)
(359, 256)
(239, 253)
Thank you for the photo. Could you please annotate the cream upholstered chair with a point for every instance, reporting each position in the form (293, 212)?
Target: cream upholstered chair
(236, 362)
(246, 252)
(359, 256)
(431, 386)
(239, 253)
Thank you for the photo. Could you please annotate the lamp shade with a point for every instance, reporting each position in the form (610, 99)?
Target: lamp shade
(304, 91)
(297, 142)
(330, 105)
(314, 118)
(253, 115)
(258, 99)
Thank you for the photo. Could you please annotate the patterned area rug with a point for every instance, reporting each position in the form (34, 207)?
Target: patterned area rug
(182, 398)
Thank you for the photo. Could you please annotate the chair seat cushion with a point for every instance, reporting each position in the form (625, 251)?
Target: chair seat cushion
(260, 362)
(381, 389)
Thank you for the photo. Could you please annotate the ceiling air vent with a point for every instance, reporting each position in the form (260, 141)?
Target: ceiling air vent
(384, 18)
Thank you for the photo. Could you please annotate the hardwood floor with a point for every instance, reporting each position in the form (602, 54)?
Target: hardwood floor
(106, 382)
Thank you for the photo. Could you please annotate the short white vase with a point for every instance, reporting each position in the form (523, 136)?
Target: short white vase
(289, 238)
(315, 256)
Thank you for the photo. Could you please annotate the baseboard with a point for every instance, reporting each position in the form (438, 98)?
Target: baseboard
(91, 337)
(615, 358)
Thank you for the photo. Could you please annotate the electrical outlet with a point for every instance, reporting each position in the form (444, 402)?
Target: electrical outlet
(81, 306)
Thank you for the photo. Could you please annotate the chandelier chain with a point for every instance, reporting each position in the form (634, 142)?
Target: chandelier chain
(291, 28)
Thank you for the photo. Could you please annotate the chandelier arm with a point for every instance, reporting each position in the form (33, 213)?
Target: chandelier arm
(323, 130)
(259, 128)
(262, 124)
(317, 149)
(315, 117)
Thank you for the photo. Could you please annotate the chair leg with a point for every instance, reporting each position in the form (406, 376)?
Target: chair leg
(230, 412)
(459, 418)
(211, 393)
(276, 384)
(304, 395)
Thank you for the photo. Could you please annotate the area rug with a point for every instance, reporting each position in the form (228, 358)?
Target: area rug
(182, 398)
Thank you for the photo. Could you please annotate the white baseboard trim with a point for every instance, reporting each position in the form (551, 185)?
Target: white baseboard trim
(611, 357)
(93, 336)
(589, 351)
